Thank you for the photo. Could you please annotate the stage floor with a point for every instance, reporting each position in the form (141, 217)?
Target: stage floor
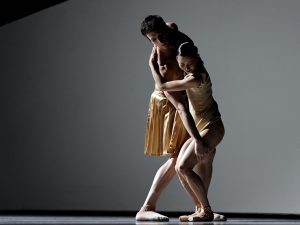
(6, 219)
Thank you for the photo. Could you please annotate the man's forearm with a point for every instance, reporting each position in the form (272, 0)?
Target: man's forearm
(159, 80)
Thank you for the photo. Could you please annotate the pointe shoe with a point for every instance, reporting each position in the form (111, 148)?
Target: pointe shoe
(219, 217)
(185, 218)
(205, 215)
(147, 213)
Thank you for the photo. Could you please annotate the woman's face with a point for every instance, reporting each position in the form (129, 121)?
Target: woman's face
(187, 64)
(157, 39)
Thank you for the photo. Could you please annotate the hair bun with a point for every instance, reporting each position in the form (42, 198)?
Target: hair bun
(187, 49)
(172, 25)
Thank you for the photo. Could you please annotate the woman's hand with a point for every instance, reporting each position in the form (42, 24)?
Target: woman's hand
(200, 150)
(153, 57)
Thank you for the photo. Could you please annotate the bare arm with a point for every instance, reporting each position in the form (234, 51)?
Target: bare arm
(176, 85)
(175, 97)
(171, 90)
(177, 100)
(179, 103)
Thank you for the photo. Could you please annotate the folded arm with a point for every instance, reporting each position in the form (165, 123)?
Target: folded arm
(178, 101)
(175, 85)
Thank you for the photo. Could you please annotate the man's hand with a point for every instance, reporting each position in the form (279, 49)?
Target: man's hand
(200, 150)
(153, 57)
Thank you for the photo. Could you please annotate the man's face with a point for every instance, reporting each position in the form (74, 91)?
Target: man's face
(157, 39)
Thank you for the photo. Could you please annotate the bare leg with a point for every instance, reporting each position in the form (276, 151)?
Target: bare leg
(167, 171)
(212, 136)
(205, 173)
(184, 183)
(185, 168)
(203, 170)
(162, 178)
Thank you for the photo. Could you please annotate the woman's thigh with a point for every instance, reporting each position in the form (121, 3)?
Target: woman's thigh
(213, 134)
(187, 159)
(184, 147)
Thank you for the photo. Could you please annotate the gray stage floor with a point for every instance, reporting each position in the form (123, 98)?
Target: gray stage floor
(130, 220)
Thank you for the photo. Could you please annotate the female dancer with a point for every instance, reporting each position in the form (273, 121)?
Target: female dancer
(206, 115)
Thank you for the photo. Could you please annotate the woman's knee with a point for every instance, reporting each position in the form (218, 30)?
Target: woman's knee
(179, 163)
(178, 168)
(181, 168)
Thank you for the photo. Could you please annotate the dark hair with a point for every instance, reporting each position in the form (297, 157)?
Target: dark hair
(188, 49)
(172, 25)
(153, 23)
(168, 34)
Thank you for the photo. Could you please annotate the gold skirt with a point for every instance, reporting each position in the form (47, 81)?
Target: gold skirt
(165, 132)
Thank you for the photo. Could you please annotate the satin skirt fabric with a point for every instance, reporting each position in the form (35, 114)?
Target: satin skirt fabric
(165, 132)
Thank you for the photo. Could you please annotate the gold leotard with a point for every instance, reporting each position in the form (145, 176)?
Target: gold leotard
(202, 105)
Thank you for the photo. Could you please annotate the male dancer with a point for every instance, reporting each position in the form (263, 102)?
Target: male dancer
(166, 38)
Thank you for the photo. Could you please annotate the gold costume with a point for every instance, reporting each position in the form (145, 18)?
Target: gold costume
(165, 132)
(202, 105)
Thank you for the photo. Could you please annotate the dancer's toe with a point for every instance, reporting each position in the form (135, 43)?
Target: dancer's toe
(185, 218)
(150, 216)
(206, 214)
(219, 217)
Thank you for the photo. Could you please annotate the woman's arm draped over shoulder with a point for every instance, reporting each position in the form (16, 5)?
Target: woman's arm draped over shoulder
(184, 113)
(176, 85)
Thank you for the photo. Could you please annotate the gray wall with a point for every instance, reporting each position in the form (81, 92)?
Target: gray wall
(75, 86)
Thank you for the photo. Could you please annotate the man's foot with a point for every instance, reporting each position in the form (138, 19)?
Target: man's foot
(147, 213)
(219, 217)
